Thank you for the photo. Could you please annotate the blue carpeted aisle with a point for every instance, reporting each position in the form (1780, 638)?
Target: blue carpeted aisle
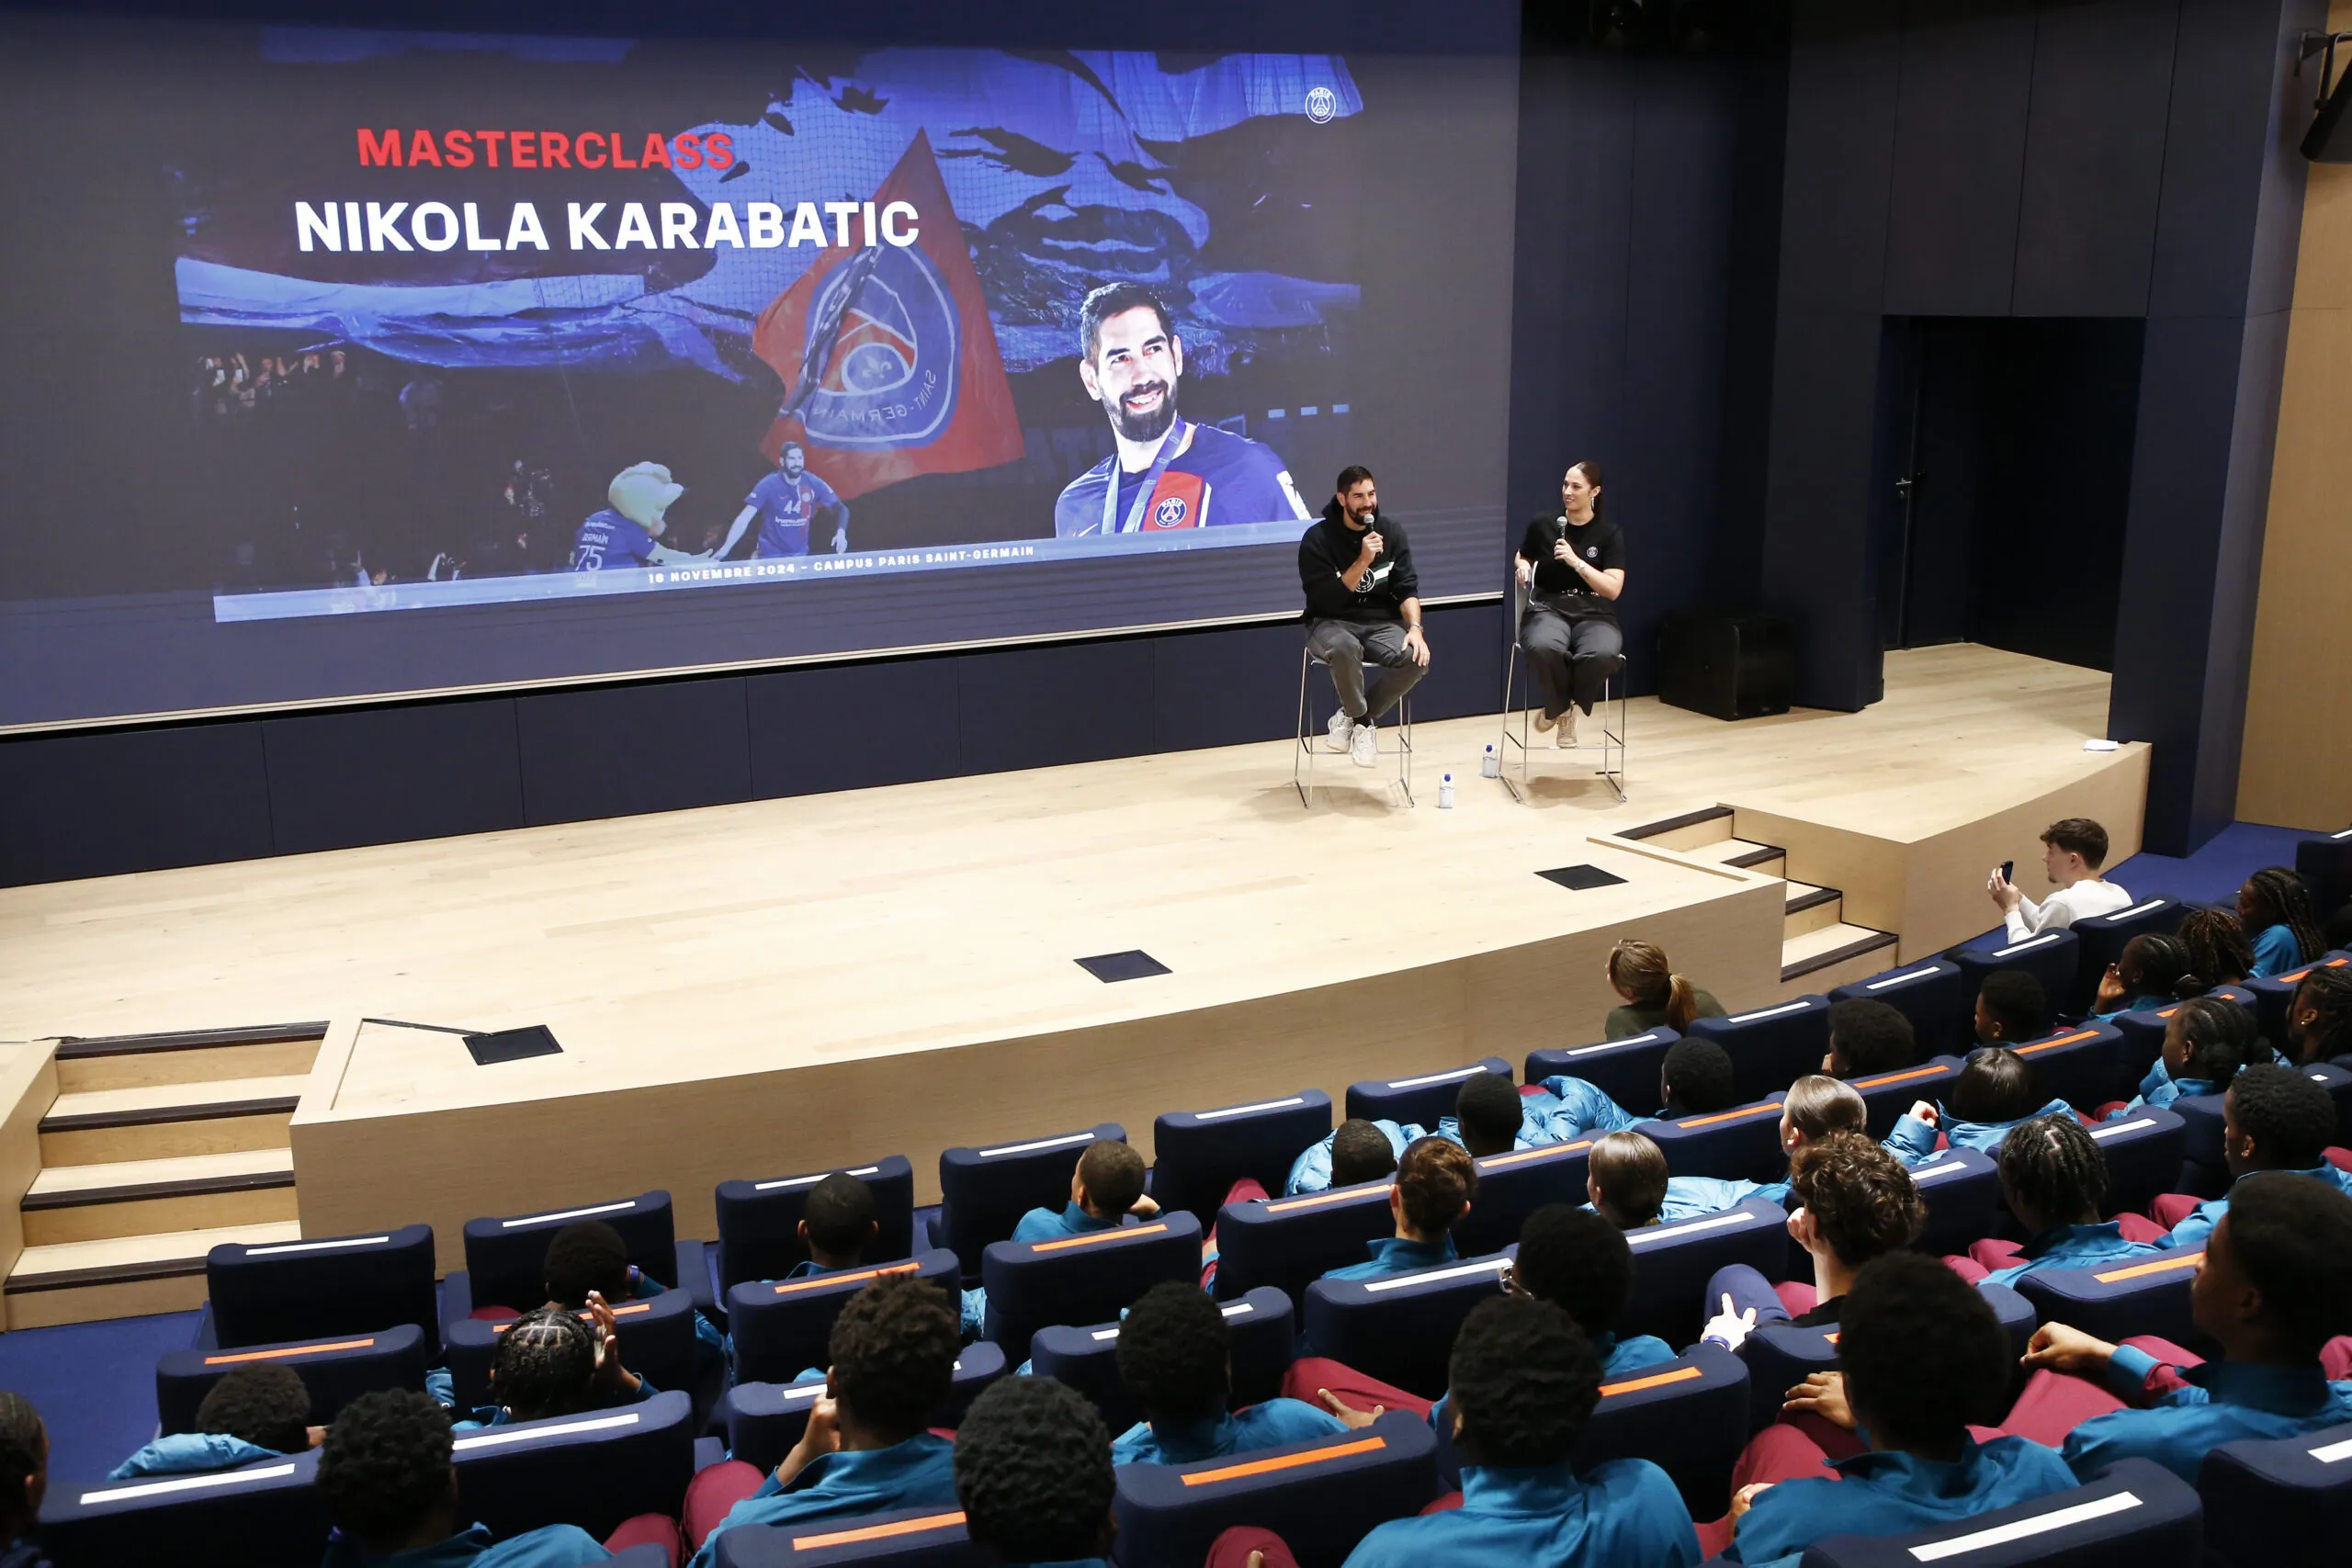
(2211, 874)
(94, 1385)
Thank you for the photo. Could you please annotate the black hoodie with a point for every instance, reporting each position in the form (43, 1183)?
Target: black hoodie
(1330, 546)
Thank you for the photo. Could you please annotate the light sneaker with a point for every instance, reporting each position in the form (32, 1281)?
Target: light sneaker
(1364, 751)
(1339, 730)
(1564, 738)
(1543, 720)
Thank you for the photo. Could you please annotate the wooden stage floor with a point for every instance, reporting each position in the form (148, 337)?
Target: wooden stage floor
(783, 985)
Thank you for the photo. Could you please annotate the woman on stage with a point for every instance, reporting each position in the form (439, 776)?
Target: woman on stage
(1572, 565)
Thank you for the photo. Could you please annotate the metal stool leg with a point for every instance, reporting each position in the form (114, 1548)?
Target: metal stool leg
(1305, 742)
(1613, 733)
(1515, 673)
(1302, 775)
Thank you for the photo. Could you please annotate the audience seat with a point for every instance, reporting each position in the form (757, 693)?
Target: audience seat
(593, 1470)
(903, 1538)
(1625, 1070)
(2144, 1031)
(2116, 1300)
(1888, 1095)
(2324, 862)
(2082, 1064)
(1770, 1047)
(1265, 1342)
(1672, 1263)
(781, 1327)
(2272, 996)
(1199, 1155)
(984, 1192)
(1401, 1329)
(764, 1419)
(335, 1371)
(759, 1236)
(2280, 1503)
(2099, 941)
(263, 1516)
(1287, 1241)
(1780, 1355)
(1932, 994)
(1514, 1184)
(1422, 1099)
(1321, 1497)
(2049, 956)
(506, 1258)
(2144, 1152)
(1962, 1191)
(2207, 1176)
(1091, 1278)
(1739, 1145)
(276, 1292)
(2136, 1514)
(657, 1343)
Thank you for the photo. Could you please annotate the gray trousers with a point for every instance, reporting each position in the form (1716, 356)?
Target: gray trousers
(1569, 659)
(1348, 646)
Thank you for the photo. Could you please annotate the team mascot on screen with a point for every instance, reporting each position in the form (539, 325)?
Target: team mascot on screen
(642, 492)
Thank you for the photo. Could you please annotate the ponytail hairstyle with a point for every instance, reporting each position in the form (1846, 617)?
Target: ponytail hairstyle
(2278, 897)
(2154, 964)
(1592, 477)
(2328, 993)
(2219, 1036)
(1641, 969)
(2219, 953)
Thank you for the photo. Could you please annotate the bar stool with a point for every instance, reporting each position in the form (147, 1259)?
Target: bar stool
(1310, 736)
(1518, 677)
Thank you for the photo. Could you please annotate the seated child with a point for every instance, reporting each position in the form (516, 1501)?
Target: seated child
(2219, 953)
(1856, 1204)
(588, 1258)
(548, 1362)
(2207, 1040)
(837, 1225)
(24, 1480)
(2275, 907)
(1654, 997)
(2274, 1286)
(2011, 1007)
(1175, 1356)
(1491, 1117)
(261, 1410)
(2319, 1020)
(2152, 970)
(2055, 1180)
(2273, 1118)
(1867, 1037)
(1695, 1079)
(1435, 1182)
(1995, 1091)
(1357, 1150)
(1105, 1187)
(1034, 1473)
(1521, 1385)
(1632, 1168)
(1921, 1357)
(866, 1447)
(385, 1484)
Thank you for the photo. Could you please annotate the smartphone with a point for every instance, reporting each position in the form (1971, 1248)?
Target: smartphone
(2009, 871)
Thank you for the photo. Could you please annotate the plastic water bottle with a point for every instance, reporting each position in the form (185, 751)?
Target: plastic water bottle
(1445, 792)
(1490, 766)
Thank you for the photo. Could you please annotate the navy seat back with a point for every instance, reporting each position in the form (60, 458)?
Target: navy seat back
(1321, 1497)
(1265, 1342)
(1962, 1191)
(2203, 1115)
(263, 1516)
(2049, 956)
(1514, 1184)
(506, 1258)
(2101, 938)
(1688, 1417)
(781, 1327)
(2143, 1152)
(657, 1343)
(1671, 1265)
(903, 1538)
(984, 1192)
(337, 1286)
(335, 1371)
(1199, 1155)
(2272, 996)
(1625, 1070)
(1401, 1329)
(763, 1420)
(758, 1222)
(1782, 1354)
(1770, 1047)
(2115, 1301)
(2279, 1503)
(593, 1470)
(2143, 1030)
(2136, 1514)
(1886, 1096)
(1287, 1242)
(1421, 1099)
(1932, 994)
(1739, 1145)
(2324, 862)
(2082, 1064)
(1086, 1279)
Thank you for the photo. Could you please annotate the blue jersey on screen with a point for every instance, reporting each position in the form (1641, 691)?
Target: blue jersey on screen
(608, 541)
(1217, 478)
(786, 507)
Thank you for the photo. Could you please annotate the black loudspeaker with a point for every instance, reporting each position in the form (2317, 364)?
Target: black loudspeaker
(1726, 666)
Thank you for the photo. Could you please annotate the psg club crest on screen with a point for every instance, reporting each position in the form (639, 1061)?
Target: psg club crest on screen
(882, 329)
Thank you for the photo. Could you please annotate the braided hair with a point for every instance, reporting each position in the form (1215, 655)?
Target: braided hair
(2051, 1167)
(2327, 994)
(2274, 896)
(24, 1454)
(2154, 964)
(2218, 953)
(2220, 1037)
(545, 1365)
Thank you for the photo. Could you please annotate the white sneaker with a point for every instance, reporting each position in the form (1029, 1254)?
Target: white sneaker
(1543, 720)
(1339, 730)
(1363, 750)
(1564, 738)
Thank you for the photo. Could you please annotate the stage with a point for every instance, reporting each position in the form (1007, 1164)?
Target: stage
(790, 985)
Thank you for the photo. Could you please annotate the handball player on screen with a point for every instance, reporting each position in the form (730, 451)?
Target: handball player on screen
(1363, 603)
(623, 534)
(787, 503)
(1573, 566)
(1164, 473)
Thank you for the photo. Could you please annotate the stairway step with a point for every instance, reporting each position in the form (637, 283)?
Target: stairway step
(1808, 909)
(80, 1281)
(1691, 830)
(128, 1198)
(165, 1121)
(1747, 854)
(1821, 958)
(203, 1055)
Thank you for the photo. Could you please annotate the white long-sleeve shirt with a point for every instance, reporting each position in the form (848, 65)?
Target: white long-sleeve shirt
(2077, 901)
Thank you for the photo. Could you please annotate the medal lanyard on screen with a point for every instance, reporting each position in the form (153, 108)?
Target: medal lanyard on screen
(1179, 437)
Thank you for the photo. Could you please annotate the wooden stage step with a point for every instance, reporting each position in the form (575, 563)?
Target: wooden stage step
(127, 1198)
(165, 1121)
(207, 1056)
(79, 1281)
(1807, 910)
(1765, 860)
(1833, 955)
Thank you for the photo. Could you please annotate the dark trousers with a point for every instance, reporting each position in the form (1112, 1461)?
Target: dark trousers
(1346, 647)
(1569, 658)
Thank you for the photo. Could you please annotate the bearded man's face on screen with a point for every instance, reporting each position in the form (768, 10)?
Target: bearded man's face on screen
(1133, 375)
(792, 460)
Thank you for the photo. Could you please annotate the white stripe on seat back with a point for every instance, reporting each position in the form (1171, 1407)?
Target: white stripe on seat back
(2028, 945)
(1433, 1276)
(1651, 1038)
(1249, 1110)
(1040, 1143)
(1239, 1309)
(273, 1250)
(568, 1215)
(1768, 1012)
(1690, 1227)
(812, 1180)
(2333, 1453)
(2025, 1529)
(1428, 1078)
(497, 1437)
(186, 1484)
(2112, 1128)
(1903, 978)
